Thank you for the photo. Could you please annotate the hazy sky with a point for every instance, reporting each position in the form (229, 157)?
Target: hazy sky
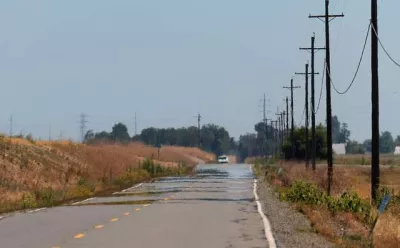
(169, 60)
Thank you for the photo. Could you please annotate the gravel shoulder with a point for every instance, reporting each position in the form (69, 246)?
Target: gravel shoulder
(290, 228)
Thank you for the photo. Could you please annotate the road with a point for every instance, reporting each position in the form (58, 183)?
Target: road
(215, 208)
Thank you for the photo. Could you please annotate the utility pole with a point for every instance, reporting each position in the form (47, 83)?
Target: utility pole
(264, 108)
(83, 122)
(307, 158)
(327, 17)
(280, 130)
(313, 136)
(282, 127)
(267, 137)
(287, 115)
(11, 126)
(135, 125)
(49, 133)
(292, 113)
(274, 144)
(284, 124)
(199, 129)
(375, 170)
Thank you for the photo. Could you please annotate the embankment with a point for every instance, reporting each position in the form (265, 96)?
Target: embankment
(37, 173)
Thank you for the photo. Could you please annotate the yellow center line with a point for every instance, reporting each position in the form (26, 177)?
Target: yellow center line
(127, 213)
(137, 210)
(55, 247)
(79, 236)
(98, 226)
(114, 220)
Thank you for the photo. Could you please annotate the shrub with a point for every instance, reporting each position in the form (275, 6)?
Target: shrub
(309, 193)
(48, 197)
(28, 201)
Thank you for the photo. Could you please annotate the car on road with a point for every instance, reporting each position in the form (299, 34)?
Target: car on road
(223, 159)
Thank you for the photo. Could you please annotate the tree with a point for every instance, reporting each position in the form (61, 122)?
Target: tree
(89, 136)
(344, 135)
(386, 141)
(340, 132)
(247, 146)
(353, 147)
(397, 141)
(367, 144)
(120, 133)
(335, 129)
(300, 143)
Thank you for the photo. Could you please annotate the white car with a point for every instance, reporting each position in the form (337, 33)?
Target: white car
(223, 160)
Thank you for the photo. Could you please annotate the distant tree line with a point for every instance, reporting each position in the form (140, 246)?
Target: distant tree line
(216, 139)
(212, 138)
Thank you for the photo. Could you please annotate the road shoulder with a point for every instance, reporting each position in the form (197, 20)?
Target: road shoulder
(290, 228)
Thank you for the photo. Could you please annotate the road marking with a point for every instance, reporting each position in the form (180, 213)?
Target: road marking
(76, 203)
(145, 205)
(99, 226)
(137, 210)
(114, 220)
(127, 213)
(79, 236)
(122, 191)
(35, 210)
(267, 225)
(166, 199)
(55, 247)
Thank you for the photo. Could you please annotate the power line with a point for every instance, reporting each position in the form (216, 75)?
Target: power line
(322, 88)
(384, 49)
(358, 67)
(302, 117)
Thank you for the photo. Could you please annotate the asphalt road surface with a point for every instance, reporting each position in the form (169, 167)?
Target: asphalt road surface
(215, 208)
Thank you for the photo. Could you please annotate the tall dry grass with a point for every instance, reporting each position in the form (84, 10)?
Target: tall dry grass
(29, 167)
(351, 179)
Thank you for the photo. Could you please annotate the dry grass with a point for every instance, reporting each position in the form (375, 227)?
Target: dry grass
(27, 167)
(345, 178)
(365, 159)
(348, 178)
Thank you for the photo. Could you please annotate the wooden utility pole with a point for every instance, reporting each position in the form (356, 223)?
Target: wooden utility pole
(375, 171)
(327, 17)
(279, 132)
(287, 115)
(199, 129)
(313, 136)
(306, 120)
(292, 113)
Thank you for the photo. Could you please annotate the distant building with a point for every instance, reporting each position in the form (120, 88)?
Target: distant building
(397, 150)
(339, 149)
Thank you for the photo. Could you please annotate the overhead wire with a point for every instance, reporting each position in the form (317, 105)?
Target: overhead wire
(358, 67)
(322, 87)
(384, 49)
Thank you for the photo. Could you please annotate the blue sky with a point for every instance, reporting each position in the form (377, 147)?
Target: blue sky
(169, 60)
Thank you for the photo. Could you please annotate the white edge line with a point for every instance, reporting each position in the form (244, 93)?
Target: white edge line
(267, 225)
(83, 201)
(36, 210)
(115, 193)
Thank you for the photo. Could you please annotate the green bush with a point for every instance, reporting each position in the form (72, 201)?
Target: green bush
(48, 197)
(28, 201)
(309, 193)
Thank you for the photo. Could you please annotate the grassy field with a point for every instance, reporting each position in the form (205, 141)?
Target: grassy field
(346, 216)
(365, 159)
(43, 173)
